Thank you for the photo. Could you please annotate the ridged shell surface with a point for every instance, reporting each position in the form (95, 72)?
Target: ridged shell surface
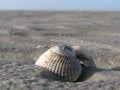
(61, 60)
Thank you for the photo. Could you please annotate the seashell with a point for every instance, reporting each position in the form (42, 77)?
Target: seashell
(84, 55)
(87, 63)
(61, 60)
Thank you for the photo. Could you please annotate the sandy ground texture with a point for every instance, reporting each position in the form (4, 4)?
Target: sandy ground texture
(25, 35)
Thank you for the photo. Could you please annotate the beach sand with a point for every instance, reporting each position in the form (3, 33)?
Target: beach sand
(25, 35)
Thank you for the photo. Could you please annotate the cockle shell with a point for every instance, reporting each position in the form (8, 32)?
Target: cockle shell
(85, 58)
(84, 55)
(61, 60)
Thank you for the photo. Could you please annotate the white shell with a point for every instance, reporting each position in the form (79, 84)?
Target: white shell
(84, 55)
(61, 60)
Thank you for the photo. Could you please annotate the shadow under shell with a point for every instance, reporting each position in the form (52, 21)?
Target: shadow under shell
(86, 73)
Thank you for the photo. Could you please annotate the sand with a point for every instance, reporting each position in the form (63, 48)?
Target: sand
(25, 35)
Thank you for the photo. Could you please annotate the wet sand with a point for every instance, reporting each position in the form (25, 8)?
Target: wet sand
(25, 35)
